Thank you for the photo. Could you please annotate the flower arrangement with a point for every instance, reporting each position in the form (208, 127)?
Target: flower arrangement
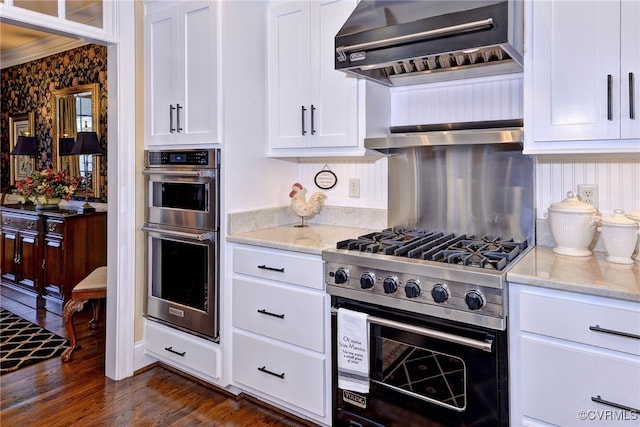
(41, 186)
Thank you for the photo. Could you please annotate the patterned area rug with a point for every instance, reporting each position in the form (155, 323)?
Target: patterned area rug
(22, 343)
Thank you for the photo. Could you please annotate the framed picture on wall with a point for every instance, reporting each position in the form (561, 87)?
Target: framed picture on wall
(21, 166)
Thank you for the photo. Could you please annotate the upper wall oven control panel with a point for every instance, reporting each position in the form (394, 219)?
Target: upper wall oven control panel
(208, 159)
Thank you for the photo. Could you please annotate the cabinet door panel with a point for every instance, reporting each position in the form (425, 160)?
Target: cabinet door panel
(9, 252)
(160, 77)
(576, 46)
(630, 63)
(29, 266)
(53, 273)
(334, 93)
(197, 72)
(289, 75)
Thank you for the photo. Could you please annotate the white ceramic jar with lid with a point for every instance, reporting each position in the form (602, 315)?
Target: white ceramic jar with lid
(635, 216)
(619, 234)
(573, 225)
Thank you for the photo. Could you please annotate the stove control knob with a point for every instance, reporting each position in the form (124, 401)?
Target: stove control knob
(390, 284)
(412, 288)
(367, 280)
(341, 276)
(474, 300)
(439, 293)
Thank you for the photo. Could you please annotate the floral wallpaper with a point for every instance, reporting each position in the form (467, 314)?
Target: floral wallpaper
(29, 87)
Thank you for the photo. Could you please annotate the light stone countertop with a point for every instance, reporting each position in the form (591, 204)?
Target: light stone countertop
(591, 275)
(312, 239)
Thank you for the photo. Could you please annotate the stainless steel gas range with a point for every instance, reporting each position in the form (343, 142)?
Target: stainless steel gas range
(433, 285)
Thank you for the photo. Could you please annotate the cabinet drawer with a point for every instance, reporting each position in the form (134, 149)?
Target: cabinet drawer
(54, 227)
(280, 265)
(20, 221)
(558, 382)
(572, 318)
(292, 376)
(181, 349)
(282, 312)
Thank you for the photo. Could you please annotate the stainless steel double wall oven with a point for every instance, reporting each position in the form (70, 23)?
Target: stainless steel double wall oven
(182, 229)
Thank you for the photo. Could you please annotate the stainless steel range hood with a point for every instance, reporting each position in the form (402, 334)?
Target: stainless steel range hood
(399, 43)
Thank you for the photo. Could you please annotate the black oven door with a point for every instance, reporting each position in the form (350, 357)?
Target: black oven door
(183, 198)
(183, 268)
(426, 372)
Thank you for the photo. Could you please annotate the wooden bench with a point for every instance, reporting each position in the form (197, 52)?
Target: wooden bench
(93, 287)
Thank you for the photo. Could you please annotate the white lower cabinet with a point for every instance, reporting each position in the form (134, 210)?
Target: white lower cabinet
(186, 352)
(574, 359)
(280, 321)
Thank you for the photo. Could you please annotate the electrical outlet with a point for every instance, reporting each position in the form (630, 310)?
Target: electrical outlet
(354, 187)
(589, 194)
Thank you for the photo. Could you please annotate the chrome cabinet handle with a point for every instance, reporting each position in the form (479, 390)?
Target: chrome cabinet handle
(597, 328)
(268, 313)
(178, 116)
(599, 399)
(6, 221)
(609, 97)
(632, 94)
(313, 120)
(52, 227)
(266, 371)
(171, 350)
(264, 267)
(17, 259)
(304, 130)
(43, 263)
(30, 225)
(171, 128)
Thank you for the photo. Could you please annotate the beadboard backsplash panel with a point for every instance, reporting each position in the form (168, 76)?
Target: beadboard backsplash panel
(617, 178)
(487, 98)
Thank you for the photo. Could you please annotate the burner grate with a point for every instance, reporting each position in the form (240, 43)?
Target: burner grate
(487, 252)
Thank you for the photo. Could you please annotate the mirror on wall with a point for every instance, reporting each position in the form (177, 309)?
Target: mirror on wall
(76, 109)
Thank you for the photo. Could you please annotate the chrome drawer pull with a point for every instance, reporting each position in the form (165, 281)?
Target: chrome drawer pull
(263, 311)
(171, 350)
(264, 267)
(597, 328)
(599, 399)
(266, 371)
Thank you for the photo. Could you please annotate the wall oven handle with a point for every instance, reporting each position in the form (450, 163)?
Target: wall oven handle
(196, 174)
(600, 400)
(597, 328)
(192, 236)
(486, 345)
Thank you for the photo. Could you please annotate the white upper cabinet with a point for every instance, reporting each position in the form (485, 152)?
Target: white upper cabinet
(313, 109)
(181, 77)
(581, 63)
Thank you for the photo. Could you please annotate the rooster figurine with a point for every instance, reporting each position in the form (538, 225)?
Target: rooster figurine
(301, 207)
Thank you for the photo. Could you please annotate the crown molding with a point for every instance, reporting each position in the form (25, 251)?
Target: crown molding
(38, 49)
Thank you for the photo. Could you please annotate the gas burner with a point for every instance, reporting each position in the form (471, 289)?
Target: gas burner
(487, 252)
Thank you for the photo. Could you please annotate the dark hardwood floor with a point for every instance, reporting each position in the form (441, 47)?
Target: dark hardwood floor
(52, 393)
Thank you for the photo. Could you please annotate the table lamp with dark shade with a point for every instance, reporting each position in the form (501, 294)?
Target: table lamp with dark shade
(25, 146)
(65, 145)
(86, 143)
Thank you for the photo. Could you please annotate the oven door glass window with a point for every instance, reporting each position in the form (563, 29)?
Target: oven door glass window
(179, 272)
(422, 373)
(180, 195)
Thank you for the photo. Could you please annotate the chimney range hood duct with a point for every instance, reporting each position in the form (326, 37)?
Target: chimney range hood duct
(400, 43)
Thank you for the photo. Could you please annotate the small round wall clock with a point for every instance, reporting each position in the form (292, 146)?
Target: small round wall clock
(325, 179)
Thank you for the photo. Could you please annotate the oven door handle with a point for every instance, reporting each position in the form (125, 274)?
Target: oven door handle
(191, 236)
(181, 174)
(486, 345)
